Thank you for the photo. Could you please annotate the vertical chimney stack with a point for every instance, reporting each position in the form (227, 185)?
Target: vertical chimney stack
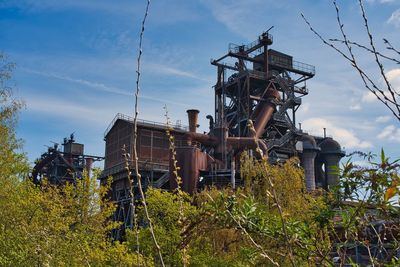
(193, 115)
(88, 166)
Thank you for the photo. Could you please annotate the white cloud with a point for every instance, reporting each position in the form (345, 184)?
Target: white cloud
(380, 1)
(355, 107)
(242, 16)
(394, 78)
(369, 97)
(168, 70)
(345, 137)
(305, 107)
(95, 85)
(81, 114)
(102, 87)
(395, 18)
(390, 133)
(382, 119)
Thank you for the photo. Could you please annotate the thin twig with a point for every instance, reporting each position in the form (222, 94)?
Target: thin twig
(364, 77)
(132, 219)
(378, 62)
(135, 156)
(390, 46)
(178, 179)
(366, 49)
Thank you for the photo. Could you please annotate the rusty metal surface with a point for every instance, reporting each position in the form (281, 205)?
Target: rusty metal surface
(191, 160)
(193, 115)
(153, 144)
(263, 86)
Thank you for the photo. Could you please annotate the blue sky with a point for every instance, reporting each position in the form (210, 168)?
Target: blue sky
(76, 62)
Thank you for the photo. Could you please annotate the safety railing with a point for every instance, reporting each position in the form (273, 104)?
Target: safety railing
(303, 67)
(234, 48)
(121, 116)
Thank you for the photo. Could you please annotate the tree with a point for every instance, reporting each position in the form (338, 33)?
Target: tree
(12, 163)
(46, 225)
(386, 93)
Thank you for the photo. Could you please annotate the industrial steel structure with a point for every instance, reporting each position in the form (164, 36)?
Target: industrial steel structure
(257, 93)
(60, 167)
(153, 154)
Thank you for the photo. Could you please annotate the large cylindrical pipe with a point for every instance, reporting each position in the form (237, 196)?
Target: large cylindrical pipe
(307, 161)
(331, 153)
(331, 164)
(310, 150)
(265, 112)
(204, 139)
(240, 143)
(193, 115)
(88, 166)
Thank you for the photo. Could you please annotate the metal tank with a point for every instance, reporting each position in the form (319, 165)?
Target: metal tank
(310, 150)
(328, 162)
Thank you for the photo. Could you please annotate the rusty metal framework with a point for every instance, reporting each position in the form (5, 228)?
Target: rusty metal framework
(257, 94)
(60, 167)
(242, 85)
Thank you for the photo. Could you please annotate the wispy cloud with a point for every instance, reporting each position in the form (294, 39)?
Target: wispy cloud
(95, 85)
(240, 16)
(395, 18)
(390, 133)
(381, 1)
(382, 119)
(346, 137)
(369, 97)
(169, 70)
(394, 78)
(82, 114)
(102, 87)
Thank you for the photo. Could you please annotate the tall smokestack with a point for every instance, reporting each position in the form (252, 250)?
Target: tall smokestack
(193, 115)
(88, 166)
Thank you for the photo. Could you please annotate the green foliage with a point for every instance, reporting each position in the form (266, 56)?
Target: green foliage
(272, 220)
(274, 213)
(165, 213)
(57, 226)
(367, 209)
(12, 163)
(376, 183)
(47, 225)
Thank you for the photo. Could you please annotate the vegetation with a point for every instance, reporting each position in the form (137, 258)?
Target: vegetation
(47, 225)
(270, 221)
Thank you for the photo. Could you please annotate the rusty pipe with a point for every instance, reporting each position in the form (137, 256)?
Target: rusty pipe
(193, 115)
(265, 110)
(240, 143)
(205, 139)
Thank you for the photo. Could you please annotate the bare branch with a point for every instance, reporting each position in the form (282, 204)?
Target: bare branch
(132, 219)
(367, 49)
(380, 65)
(392, 103)
(390, 46)
(135, 156)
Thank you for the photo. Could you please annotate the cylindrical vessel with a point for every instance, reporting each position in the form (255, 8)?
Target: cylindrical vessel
(193, 115)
